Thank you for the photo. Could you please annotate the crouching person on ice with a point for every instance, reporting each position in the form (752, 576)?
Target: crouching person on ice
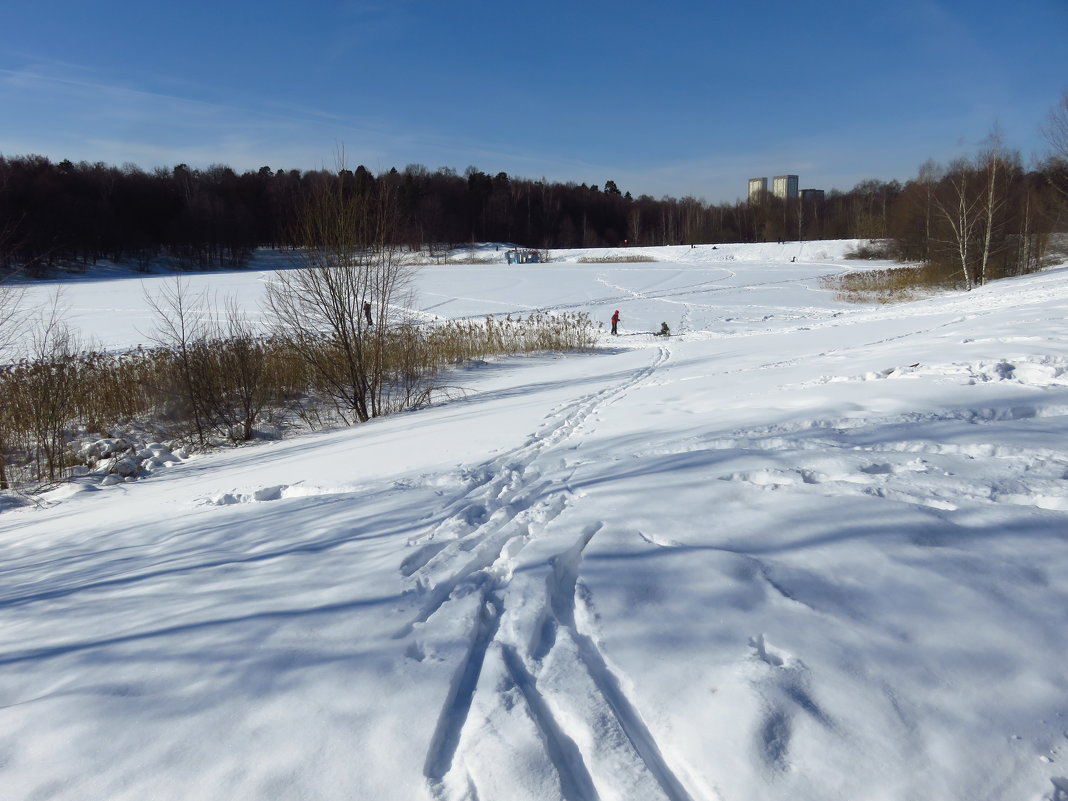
(664, 331)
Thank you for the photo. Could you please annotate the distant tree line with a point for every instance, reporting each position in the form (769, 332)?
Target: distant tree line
(982, 217)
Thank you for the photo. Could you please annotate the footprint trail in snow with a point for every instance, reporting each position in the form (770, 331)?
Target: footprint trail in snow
(531, 678)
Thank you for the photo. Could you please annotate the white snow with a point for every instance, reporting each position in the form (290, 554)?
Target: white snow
(798, 550)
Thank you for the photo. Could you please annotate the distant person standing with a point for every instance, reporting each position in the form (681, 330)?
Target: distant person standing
(615, 322)
(367, 312)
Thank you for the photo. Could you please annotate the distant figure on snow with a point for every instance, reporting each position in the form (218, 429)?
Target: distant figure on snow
(367, 312)
(615, 321)
(664, 331)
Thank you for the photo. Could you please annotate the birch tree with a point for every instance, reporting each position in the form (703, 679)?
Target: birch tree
(993, 176)
(958, 207)
(971, 202)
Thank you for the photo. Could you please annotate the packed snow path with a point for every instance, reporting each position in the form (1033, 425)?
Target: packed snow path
(531, 642)
(801, 550)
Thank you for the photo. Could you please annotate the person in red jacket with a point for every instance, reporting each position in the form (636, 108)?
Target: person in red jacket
(615, 321)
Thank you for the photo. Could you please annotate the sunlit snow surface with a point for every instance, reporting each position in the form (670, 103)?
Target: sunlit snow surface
(798, 550)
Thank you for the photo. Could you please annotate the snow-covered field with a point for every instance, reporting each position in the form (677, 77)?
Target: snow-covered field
(798, 550)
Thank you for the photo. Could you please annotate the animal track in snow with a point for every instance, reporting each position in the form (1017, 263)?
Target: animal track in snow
(783, 685)
(765, 653)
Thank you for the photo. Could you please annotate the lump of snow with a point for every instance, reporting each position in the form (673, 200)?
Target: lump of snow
(124, 467)
(881, 469)
(111, 446)
(269, 493)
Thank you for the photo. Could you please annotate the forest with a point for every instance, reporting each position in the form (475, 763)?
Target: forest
(975, 219)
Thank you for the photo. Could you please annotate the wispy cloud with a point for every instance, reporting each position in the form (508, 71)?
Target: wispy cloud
(89, 118)
(85, 117)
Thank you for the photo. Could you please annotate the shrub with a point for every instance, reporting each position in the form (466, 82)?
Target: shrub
(872, 249)
(212, 390)
(891, 285)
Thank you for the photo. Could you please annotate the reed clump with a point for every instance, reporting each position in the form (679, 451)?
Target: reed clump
(889, 285)
(209, 391)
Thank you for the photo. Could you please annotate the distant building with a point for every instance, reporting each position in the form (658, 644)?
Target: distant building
(784, 186)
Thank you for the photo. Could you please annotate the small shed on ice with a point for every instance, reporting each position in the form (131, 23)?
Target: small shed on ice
(518, 256)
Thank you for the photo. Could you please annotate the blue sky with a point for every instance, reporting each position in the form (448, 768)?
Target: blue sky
(665, 98)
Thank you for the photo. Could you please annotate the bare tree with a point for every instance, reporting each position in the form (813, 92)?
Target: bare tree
(180, 328)
(971, 201)
(1056, 133)
(241, 362)
(10, 324)
(11, 317)
(11, 295)
(338, 309)
(40, 401)
(1055, 167)
(958, 208)
(223, 378)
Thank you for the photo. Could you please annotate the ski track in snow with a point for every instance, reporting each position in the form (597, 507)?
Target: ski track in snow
(622, 294)
(508, 502)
